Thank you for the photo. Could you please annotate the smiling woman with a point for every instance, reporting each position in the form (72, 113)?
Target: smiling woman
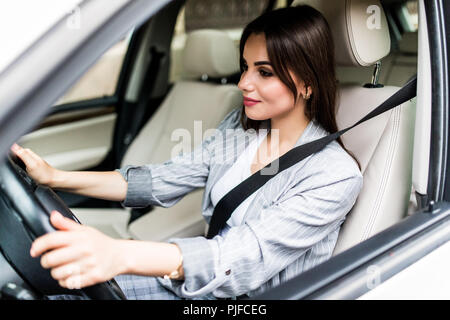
(303, 64)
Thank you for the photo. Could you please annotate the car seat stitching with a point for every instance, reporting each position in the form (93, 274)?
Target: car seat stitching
(389, 160)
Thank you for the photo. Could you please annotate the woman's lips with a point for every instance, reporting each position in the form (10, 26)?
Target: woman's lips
(248, 102)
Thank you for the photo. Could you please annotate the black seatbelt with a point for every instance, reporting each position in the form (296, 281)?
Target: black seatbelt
(236, 196)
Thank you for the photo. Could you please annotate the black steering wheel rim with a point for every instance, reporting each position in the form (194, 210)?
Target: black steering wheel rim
(32, 204)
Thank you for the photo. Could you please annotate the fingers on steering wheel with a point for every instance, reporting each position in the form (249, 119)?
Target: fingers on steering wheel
(30, 152)
(33, 155)
(26, 155)
(50, 241)
(18, 150)
(65, 271)
(73, 282)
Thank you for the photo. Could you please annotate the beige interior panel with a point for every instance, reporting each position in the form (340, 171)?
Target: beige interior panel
(73, 146)
(112, 222)
(184, 219)
(422, 133)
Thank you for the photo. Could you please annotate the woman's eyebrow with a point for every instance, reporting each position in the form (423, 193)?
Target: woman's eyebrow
(260, 63)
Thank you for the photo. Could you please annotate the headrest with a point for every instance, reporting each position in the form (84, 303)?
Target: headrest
(210, 52)
(359, 27)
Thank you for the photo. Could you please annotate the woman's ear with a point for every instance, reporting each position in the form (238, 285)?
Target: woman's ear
(307, 91)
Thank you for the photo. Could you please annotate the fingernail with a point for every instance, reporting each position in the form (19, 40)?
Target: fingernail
(44, 263)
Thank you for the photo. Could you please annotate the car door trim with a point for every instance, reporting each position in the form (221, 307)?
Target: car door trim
(320, 280)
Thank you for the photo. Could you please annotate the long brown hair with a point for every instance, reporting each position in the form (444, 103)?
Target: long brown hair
(299, 40)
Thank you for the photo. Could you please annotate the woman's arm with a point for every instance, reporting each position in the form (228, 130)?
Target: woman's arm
(103, 185)
(80, 256)
(135, 186)
(150, 258)
(108, 185)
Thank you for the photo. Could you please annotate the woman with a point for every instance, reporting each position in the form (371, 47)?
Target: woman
(286, 227)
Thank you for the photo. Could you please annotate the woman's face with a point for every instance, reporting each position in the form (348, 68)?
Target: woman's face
(265, 95)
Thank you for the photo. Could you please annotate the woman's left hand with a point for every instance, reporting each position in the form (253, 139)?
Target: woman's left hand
(78, 256)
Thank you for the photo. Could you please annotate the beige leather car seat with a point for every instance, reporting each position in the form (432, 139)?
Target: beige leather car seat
(207, 53)
(383, 145)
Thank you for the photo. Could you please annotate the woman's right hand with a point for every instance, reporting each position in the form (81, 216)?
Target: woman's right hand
(37, 168)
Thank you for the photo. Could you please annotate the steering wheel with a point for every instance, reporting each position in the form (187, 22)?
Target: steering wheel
(25, 209)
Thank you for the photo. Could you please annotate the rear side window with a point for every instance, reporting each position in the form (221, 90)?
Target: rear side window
(230, 16)
(408, 16)
(102, 78)
(219, 14)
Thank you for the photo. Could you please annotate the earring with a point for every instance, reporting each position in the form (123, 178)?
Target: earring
(307, 94)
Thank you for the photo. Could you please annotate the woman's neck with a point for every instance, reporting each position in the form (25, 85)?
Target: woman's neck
(289, 128)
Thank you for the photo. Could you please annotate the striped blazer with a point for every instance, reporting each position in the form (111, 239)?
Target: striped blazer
(291, 225)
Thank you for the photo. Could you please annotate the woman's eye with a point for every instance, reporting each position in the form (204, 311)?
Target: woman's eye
(265, 73)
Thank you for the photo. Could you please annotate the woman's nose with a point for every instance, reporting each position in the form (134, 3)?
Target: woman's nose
(245, 83)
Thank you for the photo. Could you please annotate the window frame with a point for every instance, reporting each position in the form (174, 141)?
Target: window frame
(106, 100)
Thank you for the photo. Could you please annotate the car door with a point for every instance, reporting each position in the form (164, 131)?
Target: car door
(77, 133)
